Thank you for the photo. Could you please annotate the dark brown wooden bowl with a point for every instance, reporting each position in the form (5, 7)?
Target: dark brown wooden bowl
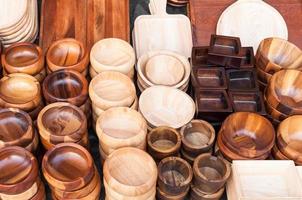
(242, 80)
(209, 78)
(196, 194)
(65, 86)
(160, 195)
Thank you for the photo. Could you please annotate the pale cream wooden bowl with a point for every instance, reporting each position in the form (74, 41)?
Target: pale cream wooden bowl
(94, 73)
(166, 106)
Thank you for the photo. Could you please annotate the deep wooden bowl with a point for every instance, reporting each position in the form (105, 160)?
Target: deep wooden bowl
(67, 53)
(197, 137)
(241, 136)
(277, 154)
(275, 54)
(263, 76)
(160, 195)
(23, 57)
(274, 113)
(130, 172)
(174, 176)
(68, 166)
(196, 194)
(210, 173)
(163, 142)
(65, 86)
(19, 170)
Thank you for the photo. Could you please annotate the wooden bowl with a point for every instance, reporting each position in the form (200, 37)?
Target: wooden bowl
(163, 142)
(112, 54)
(210, 173)
(174, 176)
(20, 91)
(160, 195)
(112, 89)
(19, 170)
(130, 172)
(241, 136)
(277, 154)
(263, 76)
(197, 137)
(165, 106)
(121, 127)
(68, 166)
(67, 53)
(275, 54)
(40, 195)
(196, 194)
(23, 57)
(65, 86)
(33, 146)
(275, 114)
(62, 122)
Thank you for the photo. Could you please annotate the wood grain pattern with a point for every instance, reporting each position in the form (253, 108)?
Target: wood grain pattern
(196, 194)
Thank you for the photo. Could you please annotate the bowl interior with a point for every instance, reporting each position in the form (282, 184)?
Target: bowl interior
(22, 55)
(198, 134)
(163, 139)
(174, 172)
(212, 168)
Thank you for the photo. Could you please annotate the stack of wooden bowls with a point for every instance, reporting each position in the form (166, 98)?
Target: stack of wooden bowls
(178, 3)
(130, 173)
(24, 58)
(21, 91)
(16, 129)
(197, 137)
(111, 89)
(120, 127)
(210, 175)
(19, 177)
(112, 54)
(246, 136)
(62, 122)
(67, 53)
(70, 173)
(163, 142)
(18, 21)
(163, 68)
(67, 86)
(273, 55)
(288, 145)
(174, 179)
(166, 106)
(282, 96)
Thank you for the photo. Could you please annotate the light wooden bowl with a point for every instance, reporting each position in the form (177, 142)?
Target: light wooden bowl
(67, 53)
(112, 54)
(275, 54)
(112, 89)
(165, 106)
(130, 172)
(277, 154)
(94, 73)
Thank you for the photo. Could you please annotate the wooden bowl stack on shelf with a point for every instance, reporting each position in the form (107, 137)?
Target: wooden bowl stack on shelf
(19, 177)
(21, 91)
(273, 55)
(16, 129)
(112, 54)
(19, 21)
(25, 58)
(174, 179)
(62, 123)
(130, 173)
(246, 136)
(70, 173)
(68, 54)
(163, 68)
(120, 127)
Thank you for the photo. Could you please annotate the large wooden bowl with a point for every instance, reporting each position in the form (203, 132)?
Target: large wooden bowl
(248, 134)
(275, 54)
(165, 106)
(65, 86)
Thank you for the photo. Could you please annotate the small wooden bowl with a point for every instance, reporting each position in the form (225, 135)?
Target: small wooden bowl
(165, 106)
(67, 53)
(19, 170)
(68, 166)
(135, 175)
(112, 89)
(160, 195)
(196, 194)
(241, 136)
(23, 57)
(275, 54)
(210, 173)
(174, 176)
(65, 86)
(163, 142)
(197, 137)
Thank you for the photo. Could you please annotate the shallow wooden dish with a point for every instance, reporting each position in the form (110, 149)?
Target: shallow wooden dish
(275, 54)
(164, 106)
(65, 86)
(242, 80)
(68, 166)
(209, 78)
(225, 45)
(67, 53)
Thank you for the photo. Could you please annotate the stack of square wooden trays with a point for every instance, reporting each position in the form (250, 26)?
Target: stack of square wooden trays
(224, 80)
